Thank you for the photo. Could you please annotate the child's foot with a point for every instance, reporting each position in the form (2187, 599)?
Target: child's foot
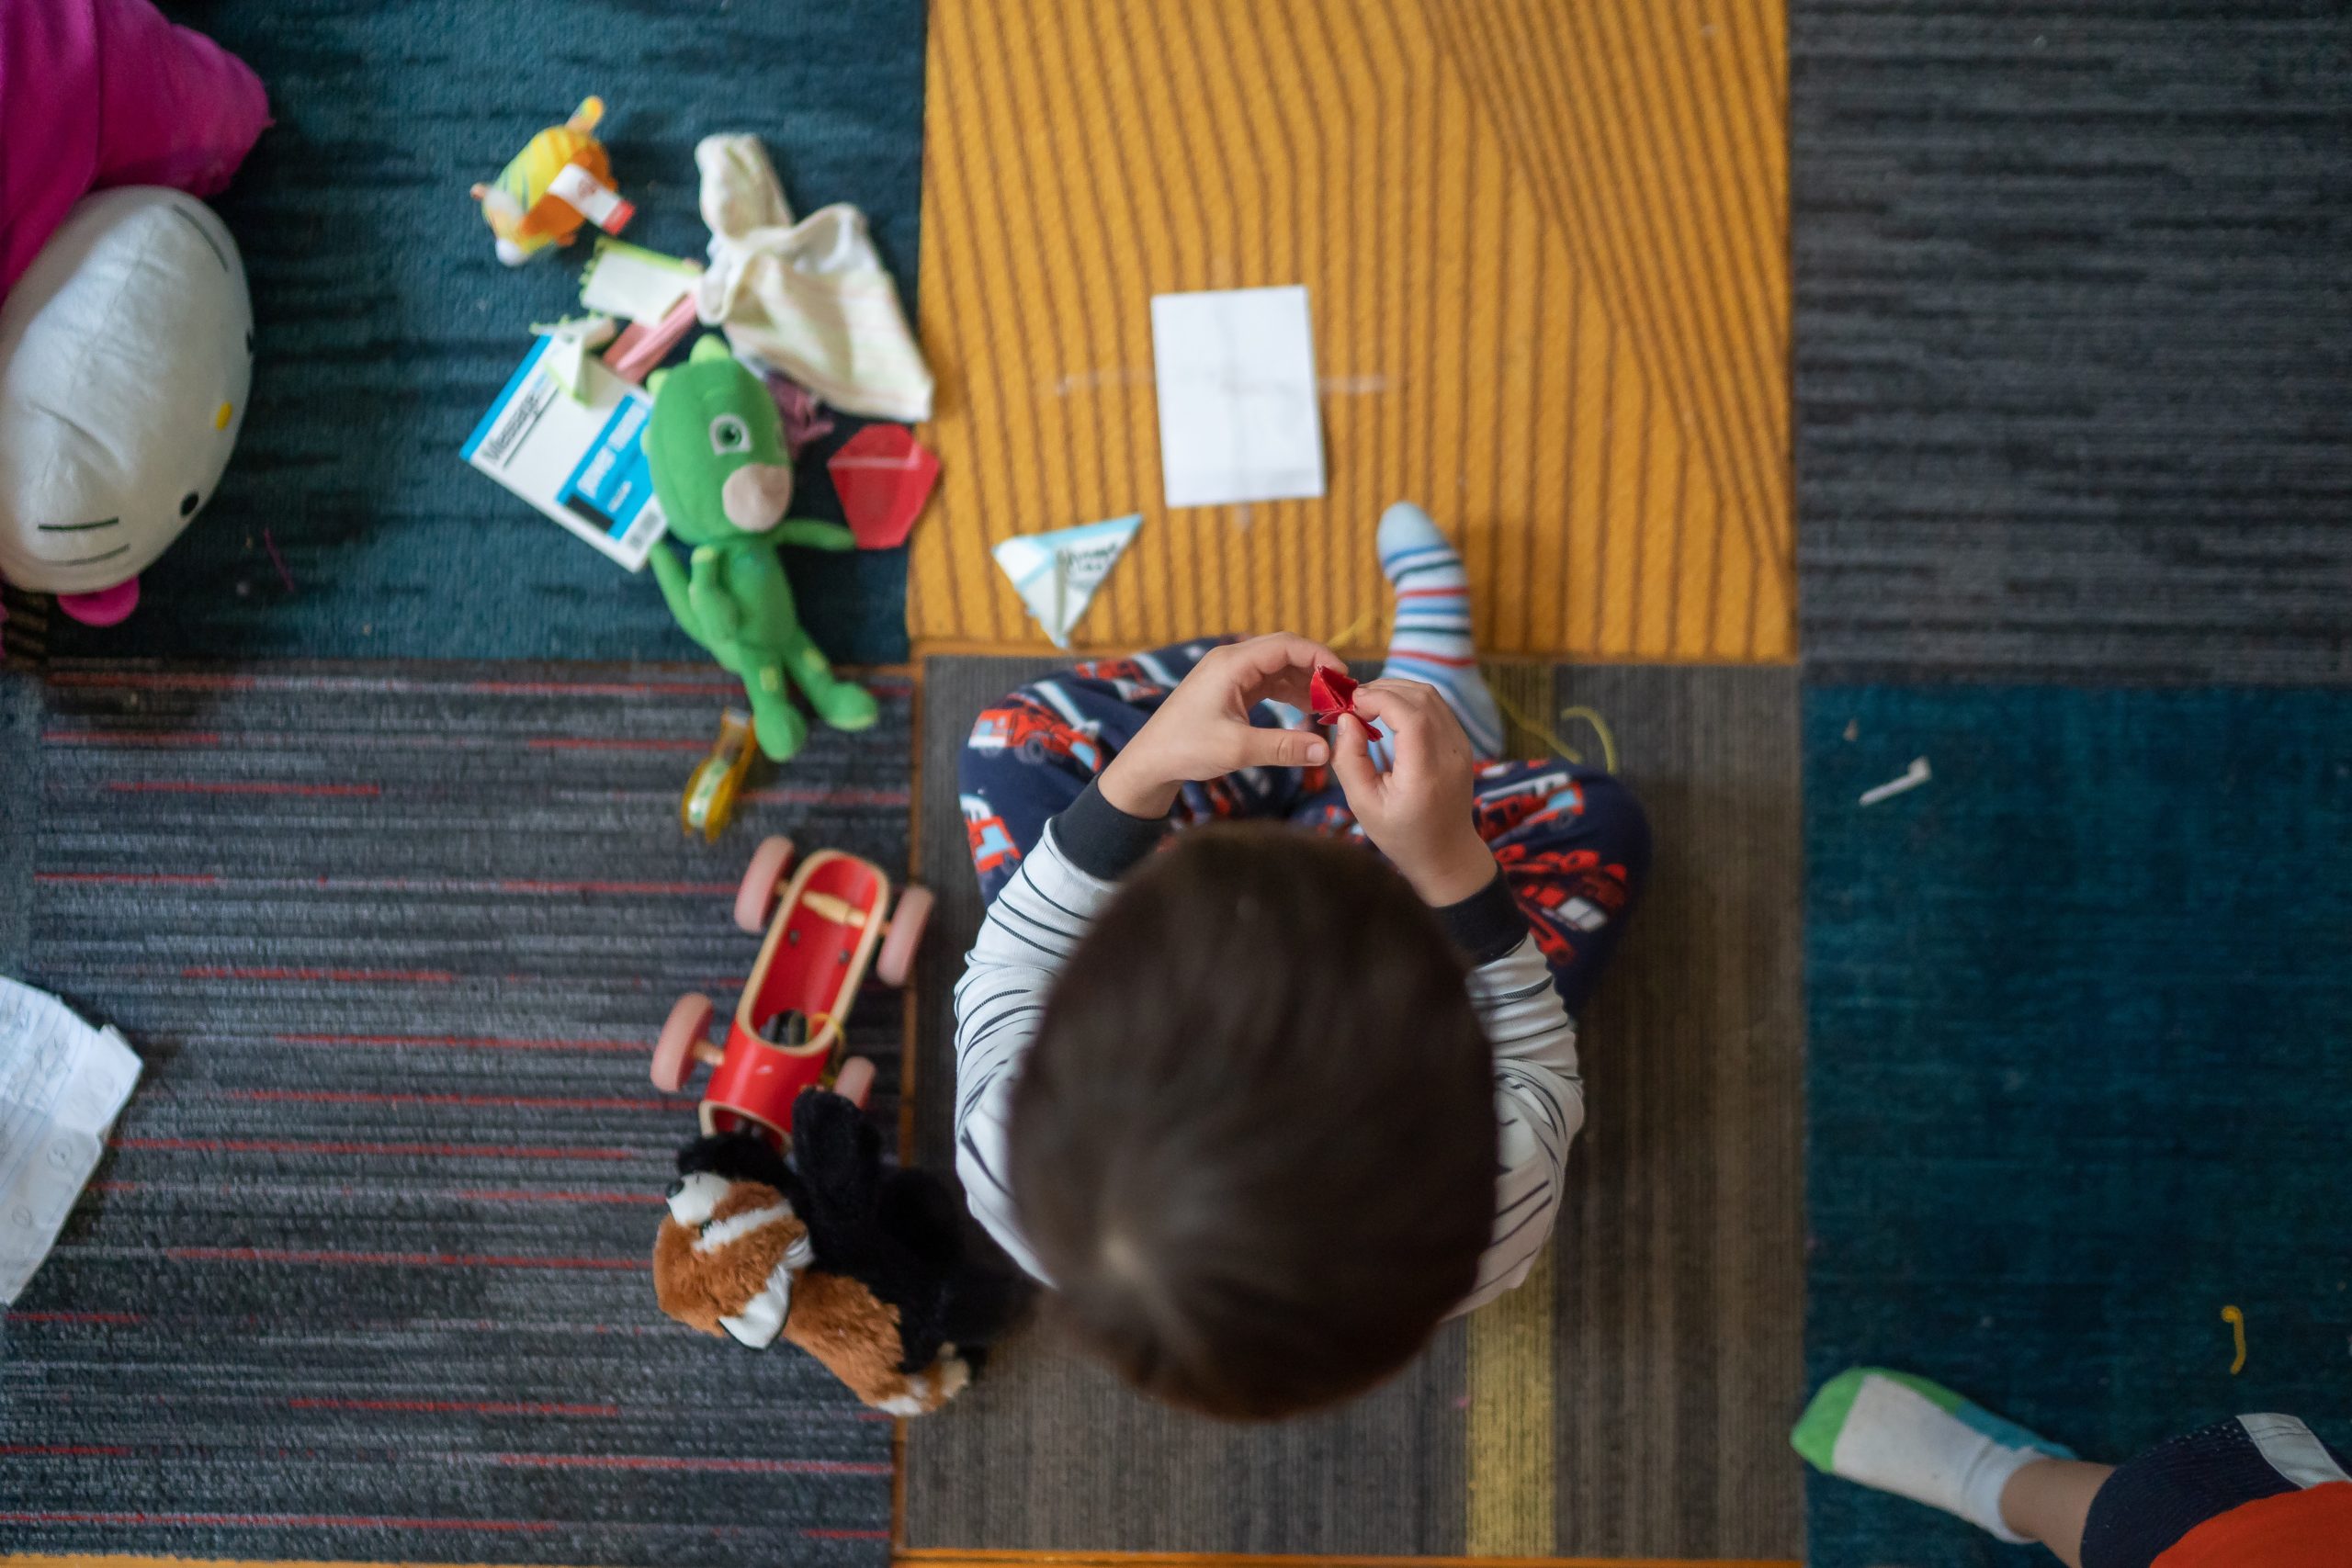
(1430, 641)
(1917, 1440)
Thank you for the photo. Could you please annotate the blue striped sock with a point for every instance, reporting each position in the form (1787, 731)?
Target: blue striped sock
(1430, 637)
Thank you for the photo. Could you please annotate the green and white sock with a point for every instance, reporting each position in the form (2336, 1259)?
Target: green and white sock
(1919, 1439)
(1430, 637)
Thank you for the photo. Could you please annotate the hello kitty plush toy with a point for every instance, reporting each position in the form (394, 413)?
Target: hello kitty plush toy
(126, 333)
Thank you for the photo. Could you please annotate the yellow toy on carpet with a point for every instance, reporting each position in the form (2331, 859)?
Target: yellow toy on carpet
(561, 179)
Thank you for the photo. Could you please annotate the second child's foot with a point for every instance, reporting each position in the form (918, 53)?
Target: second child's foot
(1919, 1439)
(1431, 638)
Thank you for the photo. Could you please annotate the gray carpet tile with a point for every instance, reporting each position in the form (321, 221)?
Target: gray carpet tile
(1680, 1256)
(1048, 1452)
(1677, 1307)
(365, 1272)
(2074, 340)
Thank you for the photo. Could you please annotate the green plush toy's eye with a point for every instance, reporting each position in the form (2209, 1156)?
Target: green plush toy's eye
(730, 434)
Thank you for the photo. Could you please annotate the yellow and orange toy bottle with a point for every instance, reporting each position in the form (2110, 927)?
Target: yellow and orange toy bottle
(560, 180)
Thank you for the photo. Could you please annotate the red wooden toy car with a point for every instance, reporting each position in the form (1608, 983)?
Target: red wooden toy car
(827, 925)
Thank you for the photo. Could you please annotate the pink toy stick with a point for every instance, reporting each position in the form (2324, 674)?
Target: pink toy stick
(637, 350)
(804, 422)
(278, 561)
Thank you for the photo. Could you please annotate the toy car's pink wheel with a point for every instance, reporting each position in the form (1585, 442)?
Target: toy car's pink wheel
(756, 898)
(674, 1054)
(897, 959)
(856, 1081)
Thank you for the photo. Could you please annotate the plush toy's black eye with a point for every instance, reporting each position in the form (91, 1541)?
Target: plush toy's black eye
(730, 434)
(188, 505)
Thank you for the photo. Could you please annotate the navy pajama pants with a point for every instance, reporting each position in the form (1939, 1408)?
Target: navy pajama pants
(1572, 841)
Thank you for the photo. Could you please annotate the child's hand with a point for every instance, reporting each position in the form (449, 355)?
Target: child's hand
(1203, 730)
(1419, 813)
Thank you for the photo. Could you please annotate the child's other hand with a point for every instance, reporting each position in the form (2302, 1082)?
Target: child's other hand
(1419, 813)
(1203, 730)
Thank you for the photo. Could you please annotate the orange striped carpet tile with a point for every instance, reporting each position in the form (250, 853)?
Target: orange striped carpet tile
(1545, 246)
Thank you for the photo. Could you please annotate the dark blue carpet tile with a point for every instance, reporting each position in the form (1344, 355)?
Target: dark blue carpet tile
(2081, 1065)
(385, 324)
(366, 1272)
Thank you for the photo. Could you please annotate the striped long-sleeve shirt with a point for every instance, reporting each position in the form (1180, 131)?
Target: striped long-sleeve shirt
(1067, 879)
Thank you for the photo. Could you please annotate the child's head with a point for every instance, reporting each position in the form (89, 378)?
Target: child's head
(1254, 1146)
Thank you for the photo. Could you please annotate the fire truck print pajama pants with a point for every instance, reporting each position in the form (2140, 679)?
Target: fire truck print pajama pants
(1572, 841)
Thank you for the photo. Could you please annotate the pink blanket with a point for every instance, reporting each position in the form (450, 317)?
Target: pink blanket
(98, 93)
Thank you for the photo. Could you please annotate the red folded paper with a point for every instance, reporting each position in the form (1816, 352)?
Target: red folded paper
(1331, 693)
(883, 476)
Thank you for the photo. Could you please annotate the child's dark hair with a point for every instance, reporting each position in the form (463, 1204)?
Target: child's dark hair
(1254, 1146)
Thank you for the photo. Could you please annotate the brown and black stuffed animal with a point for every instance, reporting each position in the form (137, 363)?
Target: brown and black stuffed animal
(882, 1276)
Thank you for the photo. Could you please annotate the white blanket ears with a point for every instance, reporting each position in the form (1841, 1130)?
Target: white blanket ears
(807, 297)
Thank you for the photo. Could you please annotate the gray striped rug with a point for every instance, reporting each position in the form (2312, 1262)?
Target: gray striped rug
(1674, 1353)
(366, 1274)
(2073, 350)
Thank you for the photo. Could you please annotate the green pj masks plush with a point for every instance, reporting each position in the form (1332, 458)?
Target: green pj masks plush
(722, 474)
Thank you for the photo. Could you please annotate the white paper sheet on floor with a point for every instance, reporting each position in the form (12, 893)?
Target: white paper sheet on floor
(62, 1082)
(1235, 372)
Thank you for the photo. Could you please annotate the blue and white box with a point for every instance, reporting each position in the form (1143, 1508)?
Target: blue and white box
(580, 461)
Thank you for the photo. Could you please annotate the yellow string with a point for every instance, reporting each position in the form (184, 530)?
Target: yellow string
(1359, 623)
(1551, 738)
(1600, 727)
(2237, 1320)
(1519, 716)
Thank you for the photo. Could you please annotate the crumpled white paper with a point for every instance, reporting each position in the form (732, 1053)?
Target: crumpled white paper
(62, 1082)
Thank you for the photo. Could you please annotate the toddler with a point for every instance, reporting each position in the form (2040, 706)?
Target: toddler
(1264, 1107)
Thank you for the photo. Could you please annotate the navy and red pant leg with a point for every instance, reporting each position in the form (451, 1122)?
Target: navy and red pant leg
(1572, 841)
